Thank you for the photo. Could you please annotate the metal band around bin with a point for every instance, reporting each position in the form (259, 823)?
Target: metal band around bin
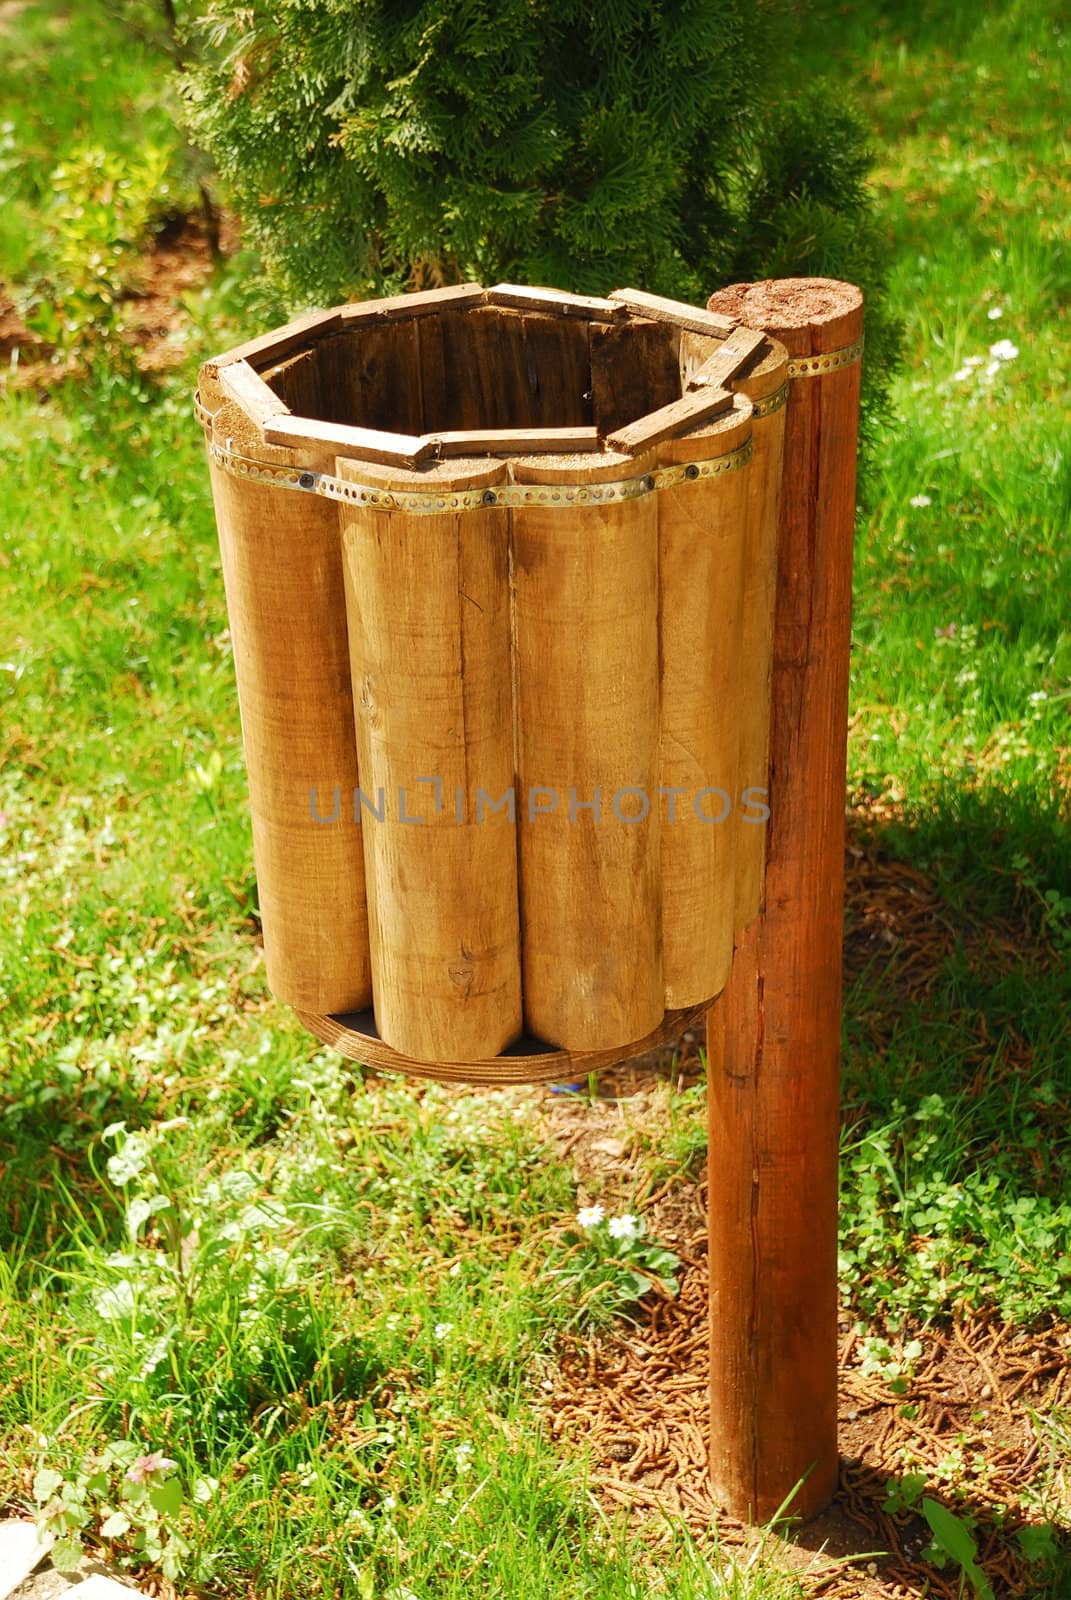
(771, 403)
(817, 366)
(419, 502)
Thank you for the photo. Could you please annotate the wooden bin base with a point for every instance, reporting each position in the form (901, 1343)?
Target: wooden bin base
(527, 1060)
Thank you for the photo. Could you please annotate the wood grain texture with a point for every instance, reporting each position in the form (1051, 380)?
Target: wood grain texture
(283, 576)
(774, 1035)
(634, 369)
(526, 298)
(763, 377)
(586, 647)
(370, 376)
(558, 369)
(724, 363)
(513, 441)
(427, 599)
(701, 543)
(760, 382)
(296, 380)
(675, 311)
(670, 420)
(423, 303)
(246, 389)
(268, 348)
(477, 374)
(364, 444)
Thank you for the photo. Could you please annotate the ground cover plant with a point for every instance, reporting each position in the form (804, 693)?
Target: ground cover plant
(275, 1328)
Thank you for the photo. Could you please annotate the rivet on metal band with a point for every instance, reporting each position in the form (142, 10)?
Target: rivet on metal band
(816, 366)
(770, 403)
(420, 502)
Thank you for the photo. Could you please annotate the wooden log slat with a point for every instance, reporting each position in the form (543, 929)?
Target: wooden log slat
(427, 601)
(773, 1037)
(669, 421)
(282, 572)
(766, 474)
(701, 534)
(662, 309)
(586, 650)
(764, 378)
(526, 298)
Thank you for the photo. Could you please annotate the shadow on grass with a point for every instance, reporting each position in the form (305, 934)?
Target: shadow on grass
(958, 968)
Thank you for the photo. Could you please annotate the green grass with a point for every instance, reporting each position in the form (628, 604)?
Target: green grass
(271, 1324)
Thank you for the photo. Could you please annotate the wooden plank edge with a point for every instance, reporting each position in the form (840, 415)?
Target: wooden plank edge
(514, 441)
(422, 303)
(273, 346)
(243, 384)
(370, 444)
(525, 297)
(661, 309)
(724, 365)
(671, 420)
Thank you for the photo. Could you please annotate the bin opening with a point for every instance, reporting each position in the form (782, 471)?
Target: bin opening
(489, 367)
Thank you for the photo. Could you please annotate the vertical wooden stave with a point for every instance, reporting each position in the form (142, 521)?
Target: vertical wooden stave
(702, 532)
(763, 384)
(427, 599)
(283, 581)
(635, 368)
(586, 651)
(774, 1035)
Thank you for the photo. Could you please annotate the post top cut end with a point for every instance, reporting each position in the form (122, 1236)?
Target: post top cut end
(809, 315)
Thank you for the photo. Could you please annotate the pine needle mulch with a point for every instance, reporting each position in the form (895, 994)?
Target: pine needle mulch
(973, 1421)
(980, 1421)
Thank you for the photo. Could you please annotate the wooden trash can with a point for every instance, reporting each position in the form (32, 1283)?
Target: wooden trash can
(499, 574)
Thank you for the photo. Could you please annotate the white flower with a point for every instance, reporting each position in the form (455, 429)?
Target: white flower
(388, 1502)
(622, 1227)
(973, 361)
(995, 313)
(993, 367)
(442, 1329)
(964, 372)
(1004, 350)
(921, 500)
(590, 1216)
(1037, 696)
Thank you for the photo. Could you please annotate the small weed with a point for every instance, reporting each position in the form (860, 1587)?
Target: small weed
(878, 1359)
(952, 1540)
(610, 1263)
(126, 1496)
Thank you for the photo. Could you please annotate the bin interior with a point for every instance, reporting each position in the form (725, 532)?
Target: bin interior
(487, 367)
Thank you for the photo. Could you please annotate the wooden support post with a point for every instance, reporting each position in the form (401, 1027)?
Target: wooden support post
(774, 1034)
